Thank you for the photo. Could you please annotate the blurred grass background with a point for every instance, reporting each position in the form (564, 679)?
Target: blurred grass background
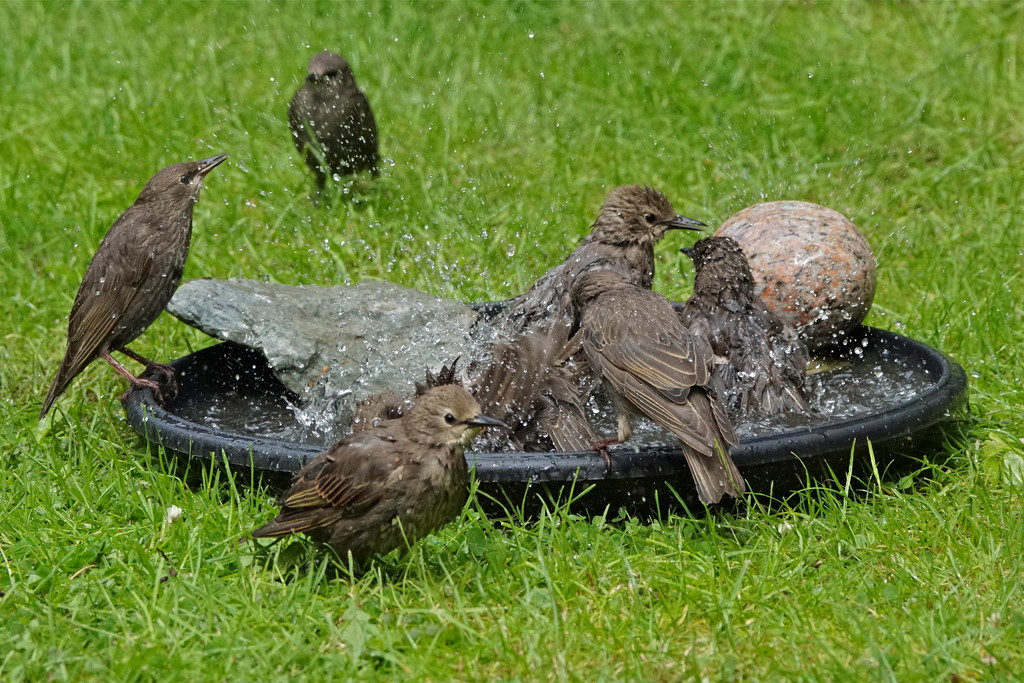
(504, 124)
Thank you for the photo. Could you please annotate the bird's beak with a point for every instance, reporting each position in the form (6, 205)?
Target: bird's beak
(207, 165)
(485, 421)
(684, 223)
(688, 251)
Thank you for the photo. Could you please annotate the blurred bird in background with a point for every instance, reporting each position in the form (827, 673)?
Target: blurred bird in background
(331, 121)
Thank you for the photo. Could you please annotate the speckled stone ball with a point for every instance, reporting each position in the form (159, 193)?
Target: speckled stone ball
(811, 266)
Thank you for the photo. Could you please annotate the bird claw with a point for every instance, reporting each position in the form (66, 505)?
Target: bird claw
(152, 385)
(602, 448)
(168, 387)
(171, 382)
(166, 370)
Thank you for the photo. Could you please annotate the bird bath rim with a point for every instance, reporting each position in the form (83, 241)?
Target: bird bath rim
(775, 462)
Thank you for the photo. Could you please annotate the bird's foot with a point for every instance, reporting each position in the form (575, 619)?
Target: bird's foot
(167, 371)
(140, 383)
(170, 379)
(601, 447)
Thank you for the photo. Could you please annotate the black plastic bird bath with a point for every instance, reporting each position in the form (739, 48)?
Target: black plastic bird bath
(230, 378)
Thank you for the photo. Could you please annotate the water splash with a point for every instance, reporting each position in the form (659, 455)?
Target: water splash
(869, 384)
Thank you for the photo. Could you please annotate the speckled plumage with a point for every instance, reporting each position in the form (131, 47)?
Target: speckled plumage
(631, 221)
(133, 275)
(761, 362)
(530, 383)
(331, 121)
(388, 485)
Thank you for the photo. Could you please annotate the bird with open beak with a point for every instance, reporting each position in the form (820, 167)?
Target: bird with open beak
(132, 276)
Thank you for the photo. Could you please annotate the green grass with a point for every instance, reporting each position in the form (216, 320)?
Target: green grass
(505, 124)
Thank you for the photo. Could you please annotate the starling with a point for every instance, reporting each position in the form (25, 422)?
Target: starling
(530, 383)
(331, 121)
(760, 361)
(631, 221)
(389, 485)
(522, 382)
(132, 276)
(653, 366)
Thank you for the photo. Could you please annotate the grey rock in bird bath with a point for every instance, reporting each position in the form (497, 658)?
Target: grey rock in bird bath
(332, 346)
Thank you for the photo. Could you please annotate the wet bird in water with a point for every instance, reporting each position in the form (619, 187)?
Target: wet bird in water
(652, 365)
(331, 121)
(523, 382)
(631, 221)
(530, 383)
(132, 276)
(391, 405)
(389, 485)
(760, 361)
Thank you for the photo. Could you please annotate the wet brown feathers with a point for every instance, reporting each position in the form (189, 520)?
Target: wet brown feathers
(386, 486)
(631, 221)
(653, 366)
(530, 383)
(525, 382)
(391, 405)
(133, 275)
(760, 361)
(331, 121)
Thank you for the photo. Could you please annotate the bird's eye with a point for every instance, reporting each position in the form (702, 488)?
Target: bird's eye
(650, 218)
(449, 418)
(185, 179)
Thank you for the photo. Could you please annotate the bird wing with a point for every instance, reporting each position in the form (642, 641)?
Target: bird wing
(342, 483)
(561, 414)
(648, 358)
(567, 426)
(761, 363)
(645, 340)
(510, 383)
(298, 119)
(106, 293)
(348, 477)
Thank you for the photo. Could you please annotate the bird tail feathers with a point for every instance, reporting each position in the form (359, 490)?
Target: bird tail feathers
(60, 384)
(715, 475)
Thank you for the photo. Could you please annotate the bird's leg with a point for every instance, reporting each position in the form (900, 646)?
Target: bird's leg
(166, 371)
(319, 168)
(137, 382)
(601, 446)
(625, 427)
(625, 431)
